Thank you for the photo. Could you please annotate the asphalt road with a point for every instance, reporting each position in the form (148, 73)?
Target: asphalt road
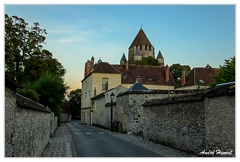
(90, 142)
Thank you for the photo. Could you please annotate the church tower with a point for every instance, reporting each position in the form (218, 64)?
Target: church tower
(140, 48)
(160, 58)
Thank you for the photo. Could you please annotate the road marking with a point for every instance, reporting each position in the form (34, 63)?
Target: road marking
(88, 132)
(101, 133)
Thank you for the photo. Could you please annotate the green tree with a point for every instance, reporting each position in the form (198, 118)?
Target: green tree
(147, 61)
(176, 71)
(52, 92)
(227, 72)
(75, 102)
(21, 42)
(25, 58)
(36, 66)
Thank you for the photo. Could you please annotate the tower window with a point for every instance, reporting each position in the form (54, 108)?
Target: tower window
(140, 47)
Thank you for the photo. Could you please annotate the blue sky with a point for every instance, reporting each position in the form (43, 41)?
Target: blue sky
(194, 35)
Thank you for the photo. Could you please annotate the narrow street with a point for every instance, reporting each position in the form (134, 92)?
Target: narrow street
(90, 142)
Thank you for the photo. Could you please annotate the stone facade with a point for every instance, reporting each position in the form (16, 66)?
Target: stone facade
(199, 123)
(179, 125)
(27, 125)
(10, 104)
(129, 112)
(220, 123)
(101, 111)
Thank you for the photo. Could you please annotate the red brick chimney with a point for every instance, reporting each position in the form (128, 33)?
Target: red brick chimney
(183, 77)
(89, 65)
(87, 68)
(167, 73)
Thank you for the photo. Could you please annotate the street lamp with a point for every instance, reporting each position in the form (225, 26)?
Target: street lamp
(111, 97)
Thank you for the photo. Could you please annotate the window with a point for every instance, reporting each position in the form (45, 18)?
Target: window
(95, 91)
(105, 84)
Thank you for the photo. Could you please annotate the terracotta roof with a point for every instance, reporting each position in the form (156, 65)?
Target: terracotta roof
(152, 75)
(141, 39)
(104, 67)
(204, 74)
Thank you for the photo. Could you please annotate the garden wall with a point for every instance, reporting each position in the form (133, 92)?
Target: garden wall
(201, 123)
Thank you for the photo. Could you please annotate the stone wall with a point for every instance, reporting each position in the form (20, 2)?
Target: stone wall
(220, 123)
(27, 125)
(10, 104)
(179, 125)
(202, 123)
(53, 124)
(129, 112)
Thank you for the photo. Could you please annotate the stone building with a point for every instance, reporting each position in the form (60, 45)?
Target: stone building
(101, 109)
(140, 48)
(101, 76)
(100, 79)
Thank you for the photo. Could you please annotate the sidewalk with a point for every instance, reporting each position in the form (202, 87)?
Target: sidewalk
(61, 144)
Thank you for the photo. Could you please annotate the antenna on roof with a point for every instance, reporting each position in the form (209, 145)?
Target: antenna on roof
(141, 25)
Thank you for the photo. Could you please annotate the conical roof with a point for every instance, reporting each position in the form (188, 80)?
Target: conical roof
(123, 58)
(141, 39)
(159, 55)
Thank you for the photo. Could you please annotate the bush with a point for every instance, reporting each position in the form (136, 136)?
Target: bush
(52, 92)
(29, 93)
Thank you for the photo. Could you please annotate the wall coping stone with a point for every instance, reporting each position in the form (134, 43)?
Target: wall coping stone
(217, 91)
(24, 102)
(157, 92)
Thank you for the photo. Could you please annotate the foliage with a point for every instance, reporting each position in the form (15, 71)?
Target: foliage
(227, 72)
(35, 67)
(24, 57)
(52, 91)
(147, 61)
(29, 93)
(75, 102)
(176, 71)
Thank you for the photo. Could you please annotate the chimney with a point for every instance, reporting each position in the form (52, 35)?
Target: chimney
(126, 65)
(92, 63)
(183, 77)
(167, 73)
(87, 68)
